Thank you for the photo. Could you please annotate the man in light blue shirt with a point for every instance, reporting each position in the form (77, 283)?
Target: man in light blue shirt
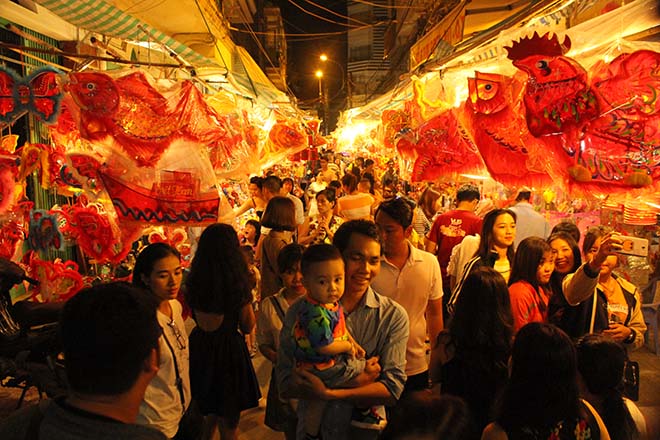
(529, 223)
(377, 323)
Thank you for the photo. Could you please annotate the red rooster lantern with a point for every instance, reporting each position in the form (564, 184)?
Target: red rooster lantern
(557, 96)
(620, 147)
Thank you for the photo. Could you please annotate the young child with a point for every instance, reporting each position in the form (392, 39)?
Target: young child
(251, 338)
(280, 413)
(529, 287)
(323, 344)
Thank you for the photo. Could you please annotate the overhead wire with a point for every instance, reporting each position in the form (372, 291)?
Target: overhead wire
(320, 17)
(133, 9)
(335, 13)
(310, 34)
(263, 50)
(368, 3)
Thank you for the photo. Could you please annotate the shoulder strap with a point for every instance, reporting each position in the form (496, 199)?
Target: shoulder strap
(36, 418)
(179, 381)
(278, 307)
(592, 418)
(459, 286)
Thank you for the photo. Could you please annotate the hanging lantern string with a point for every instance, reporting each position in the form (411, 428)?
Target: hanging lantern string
(91, 57)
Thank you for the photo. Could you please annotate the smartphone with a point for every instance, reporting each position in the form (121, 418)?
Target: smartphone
(634, 246)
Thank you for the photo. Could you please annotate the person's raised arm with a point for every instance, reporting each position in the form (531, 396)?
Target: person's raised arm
(579, 286)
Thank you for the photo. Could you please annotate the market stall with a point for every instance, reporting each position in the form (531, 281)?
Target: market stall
(561, 97)
(152, 130)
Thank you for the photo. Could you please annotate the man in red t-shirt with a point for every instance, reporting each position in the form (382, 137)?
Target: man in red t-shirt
(450, 228)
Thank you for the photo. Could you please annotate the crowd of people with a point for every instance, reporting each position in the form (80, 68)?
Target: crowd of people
(383, 317)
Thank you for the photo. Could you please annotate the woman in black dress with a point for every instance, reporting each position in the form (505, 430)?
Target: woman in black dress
(474, 350)
(219, 289)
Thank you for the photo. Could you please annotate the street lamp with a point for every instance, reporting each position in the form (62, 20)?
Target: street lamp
(319, 75)
(324, 58)
(322, 108)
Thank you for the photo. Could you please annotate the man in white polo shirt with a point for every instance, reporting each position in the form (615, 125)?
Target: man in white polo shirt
(411, 277)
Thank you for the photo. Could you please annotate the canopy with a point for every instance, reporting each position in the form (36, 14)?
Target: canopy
(198, 37)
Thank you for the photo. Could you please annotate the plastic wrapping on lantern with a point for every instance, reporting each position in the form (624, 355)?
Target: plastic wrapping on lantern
(285, 137)
(144, 116)
(180, 188)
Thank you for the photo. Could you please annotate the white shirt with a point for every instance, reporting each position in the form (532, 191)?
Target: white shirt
(269, 323)
(300, 212)
(637, 416)
(461, 254)
(418, 282)
(529, 223)
(161, 407)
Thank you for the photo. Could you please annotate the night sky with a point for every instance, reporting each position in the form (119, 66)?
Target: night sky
(303, 52)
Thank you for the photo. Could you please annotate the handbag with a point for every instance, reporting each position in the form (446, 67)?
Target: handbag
(631, 380)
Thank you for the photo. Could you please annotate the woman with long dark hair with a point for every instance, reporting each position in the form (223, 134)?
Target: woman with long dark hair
(529, 283)
(574, 286)
(541, 400)
(158, 270)
(219, 292)
(601, 361)
(498, 233)
(474, 350)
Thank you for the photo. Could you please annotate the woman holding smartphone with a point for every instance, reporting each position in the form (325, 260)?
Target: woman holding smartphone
(590, 298)
(618, 311)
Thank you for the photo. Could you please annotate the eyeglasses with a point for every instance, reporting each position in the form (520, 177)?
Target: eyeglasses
(179, 337)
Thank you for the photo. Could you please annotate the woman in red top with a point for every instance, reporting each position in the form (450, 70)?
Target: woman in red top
(529, 288)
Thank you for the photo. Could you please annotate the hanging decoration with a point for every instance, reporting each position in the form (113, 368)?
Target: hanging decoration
(58, 281)
(175, 200)
(39, 94)
(441, 149)
(557, 94)
(494, 120)
(621, 146)
(13, 229)
(175, 237)
(89, 226)
(44, 231)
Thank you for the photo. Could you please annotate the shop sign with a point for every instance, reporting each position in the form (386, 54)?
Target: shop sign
(446, 33)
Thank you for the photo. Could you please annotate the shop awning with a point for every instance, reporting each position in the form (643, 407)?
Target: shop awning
(200, 27)
(104, 18)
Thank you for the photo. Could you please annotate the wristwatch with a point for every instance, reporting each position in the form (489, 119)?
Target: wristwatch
(631, 337)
